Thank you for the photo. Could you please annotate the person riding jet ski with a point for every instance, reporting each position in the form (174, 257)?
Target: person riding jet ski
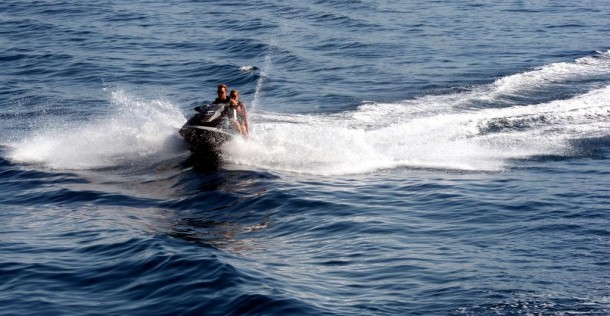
(215, 123)
(238, 114)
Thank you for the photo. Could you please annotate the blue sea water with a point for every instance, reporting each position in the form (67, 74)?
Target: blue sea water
(406, 158)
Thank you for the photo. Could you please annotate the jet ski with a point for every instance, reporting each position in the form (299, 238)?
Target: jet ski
(207, 130)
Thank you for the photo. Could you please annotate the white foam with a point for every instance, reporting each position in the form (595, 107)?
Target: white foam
(435, 131)
(484, 139)
(247, 68)
(133, 129)
(557, 73)
(589, 108)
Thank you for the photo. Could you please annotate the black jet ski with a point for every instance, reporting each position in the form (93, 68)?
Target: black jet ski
(207, 130)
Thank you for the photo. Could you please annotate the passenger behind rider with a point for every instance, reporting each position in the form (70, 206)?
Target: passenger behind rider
(238, 114)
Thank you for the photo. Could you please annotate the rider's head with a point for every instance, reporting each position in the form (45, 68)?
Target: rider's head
(222, 90)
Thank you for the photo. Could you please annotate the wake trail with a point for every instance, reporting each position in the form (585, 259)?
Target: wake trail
(440, 131)
(451, 131)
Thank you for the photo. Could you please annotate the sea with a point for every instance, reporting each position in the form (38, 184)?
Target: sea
(405, 158)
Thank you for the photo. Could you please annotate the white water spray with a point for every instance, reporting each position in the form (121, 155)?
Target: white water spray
(133, 130)
(438, 131)
(263, 74)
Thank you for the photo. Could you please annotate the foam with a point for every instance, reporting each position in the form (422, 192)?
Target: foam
(589, 108)
(247, 68)
(450, 131)
(556, 73)
(482, 140)
(133, 129)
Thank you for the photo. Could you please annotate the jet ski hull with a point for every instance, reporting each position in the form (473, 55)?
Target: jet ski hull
(206, 131)
(205, 139)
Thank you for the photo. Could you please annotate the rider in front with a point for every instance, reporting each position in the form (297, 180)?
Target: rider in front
(222, 94)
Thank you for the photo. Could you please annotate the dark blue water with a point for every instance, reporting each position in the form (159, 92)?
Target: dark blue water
(406, 158)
